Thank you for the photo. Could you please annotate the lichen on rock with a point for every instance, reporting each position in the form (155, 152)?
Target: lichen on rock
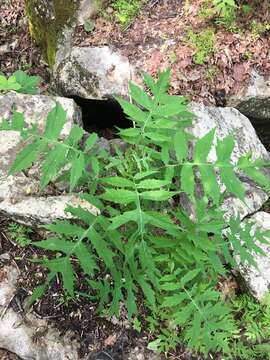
(92, 73)
(47, 21)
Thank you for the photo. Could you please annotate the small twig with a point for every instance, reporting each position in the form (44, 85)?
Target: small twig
(6, 307)
(153, 3)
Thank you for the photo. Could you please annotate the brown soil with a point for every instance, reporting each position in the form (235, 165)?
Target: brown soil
(157, 40)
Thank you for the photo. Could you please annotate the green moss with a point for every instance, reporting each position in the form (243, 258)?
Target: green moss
(126, 11)
(203, 43)
(47, 19)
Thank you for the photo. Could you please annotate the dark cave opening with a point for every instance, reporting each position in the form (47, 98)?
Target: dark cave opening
(102, 116)
(262, 130)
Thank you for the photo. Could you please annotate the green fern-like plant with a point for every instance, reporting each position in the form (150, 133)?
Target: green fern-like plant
(143, 242)
(20, 82)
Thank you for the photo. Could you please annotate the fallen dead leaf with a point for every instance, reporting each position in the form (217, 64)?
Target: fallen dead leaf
(111, 340)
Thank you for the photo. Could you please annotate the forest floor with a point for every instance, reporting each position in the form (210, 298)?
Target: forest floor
(209, 61)
(210, 58)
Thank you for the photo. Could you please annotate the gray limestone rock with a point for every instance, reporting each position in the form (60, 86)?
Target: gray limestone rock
(34, 210)
(139, 353)
(88, 9)
(92, 73)
(24, 334)
(20, 197)
(257, 279)
(36, 108)
(231, 121)
(254, 102)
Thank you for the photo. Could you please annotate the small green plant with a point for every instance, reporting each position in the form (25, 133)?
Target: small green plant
(89, 25)
(207, 11)
(224, 7)
(20, 82)
(258, 29)
(172, 58)
(226, 14)
(246, 9)
(210, 73)
(126, 11)
(228, 21)
(141, 245)
(19, 234)
(253, 320)
(204, 43)
(137, 325)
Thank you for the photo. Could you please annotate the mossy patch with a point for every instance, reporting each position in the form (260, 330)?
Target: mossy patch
(47, 20)
(203, 43)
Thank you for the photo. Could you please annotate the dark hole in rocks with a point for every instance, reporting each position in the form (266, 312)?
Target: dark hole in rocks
(262, 129)
(102, 116)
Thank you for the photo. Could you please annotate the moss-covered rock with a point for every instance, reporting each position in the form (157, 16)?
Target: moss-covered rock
(47, 21)
(92, 73)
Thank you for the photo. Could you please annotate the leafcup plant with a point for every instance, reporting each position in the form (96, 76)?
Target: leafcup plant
(143, 245)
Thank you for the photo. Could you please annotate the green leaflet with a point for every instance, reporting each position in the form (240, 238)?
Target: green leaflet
(120, 196)
(57, 153)
(55, 122)
(117, 181)
(174, 300)
(82, 214)
(170, 109)
(17, 122)
(52, 164)
(145, 174)
(92, 139)
(120, 220)
(202, 148)
(232, 183)
(28, 84)
(9, 84)
(160, 195)
(77, 169)
(189, 276)
(156, 137)
(140, 96)
(187, 180)
(86, 259)
(131, 298)
(75, 135)
(65, 228)
(64, 268)
(180, 145)
(252, 171)
(27, 156)
(224, 149)
(147, 290)
(134, 113)
(152, 184)
(160, 87)
(209, 181)
(131, 132)
(56, 244)
(101, 247)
